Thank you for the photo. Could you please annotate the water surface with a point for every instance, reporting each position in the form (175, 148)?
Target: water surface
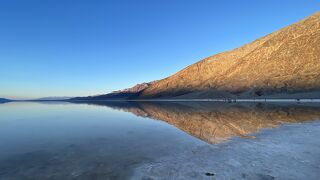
(144, 140)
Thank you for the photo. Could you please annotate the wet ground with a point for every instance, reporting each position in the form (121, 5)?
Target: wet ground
(290, 152)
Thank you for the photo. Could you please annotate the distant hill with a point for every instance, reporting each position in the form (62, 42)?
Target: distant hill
(285, 63)
(3, 100)
(57, 98)
(129, 93)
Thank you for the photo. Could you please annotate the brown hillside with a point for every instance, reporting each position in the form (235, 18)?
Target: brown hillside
(287, 61)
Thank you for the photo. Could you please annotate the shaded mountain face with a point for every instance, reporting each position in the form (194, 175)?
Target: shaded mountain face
(129, 93)
(3, 100)
(216, 123)
(135, 89)
(284, 62)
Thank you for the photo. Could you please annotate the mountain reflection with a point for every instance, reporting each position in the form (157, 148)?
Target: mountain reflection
(214, 122)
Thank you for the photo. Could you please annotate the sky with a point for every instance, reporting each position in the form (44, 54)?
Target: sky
(80, 48)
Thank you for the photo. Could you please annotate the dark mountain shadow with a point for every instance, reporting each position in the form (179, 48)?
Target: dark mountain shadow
(3, 100)
(268, 93)
(218, 122)
(110, 96)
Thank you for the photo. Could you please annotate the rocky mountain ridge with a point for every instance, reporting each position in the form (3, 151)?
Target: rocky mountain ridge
(286, 61)
(283, 64)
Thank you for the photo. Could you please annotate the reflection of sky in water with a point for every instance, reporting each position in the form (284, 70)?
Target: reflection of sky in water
(63, 140)
(27, 127)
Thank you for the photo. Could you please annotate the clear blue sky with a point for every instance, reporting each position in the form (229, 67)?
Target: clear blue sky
(77, 48)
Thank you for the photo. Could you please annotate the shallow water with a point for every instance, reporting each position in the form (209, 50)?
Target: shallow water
(144, 140)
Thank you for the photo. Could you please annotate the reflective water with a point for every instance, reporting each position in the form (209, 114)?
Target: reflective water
(97, 141)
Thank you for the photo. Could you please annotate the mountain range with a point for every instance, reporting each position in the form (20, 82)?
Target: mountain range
(285, 63)
(53, 98)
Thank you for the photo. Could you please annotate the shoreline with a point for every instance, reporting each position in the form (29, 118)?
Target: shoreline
(223, 100)
(228, 100)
